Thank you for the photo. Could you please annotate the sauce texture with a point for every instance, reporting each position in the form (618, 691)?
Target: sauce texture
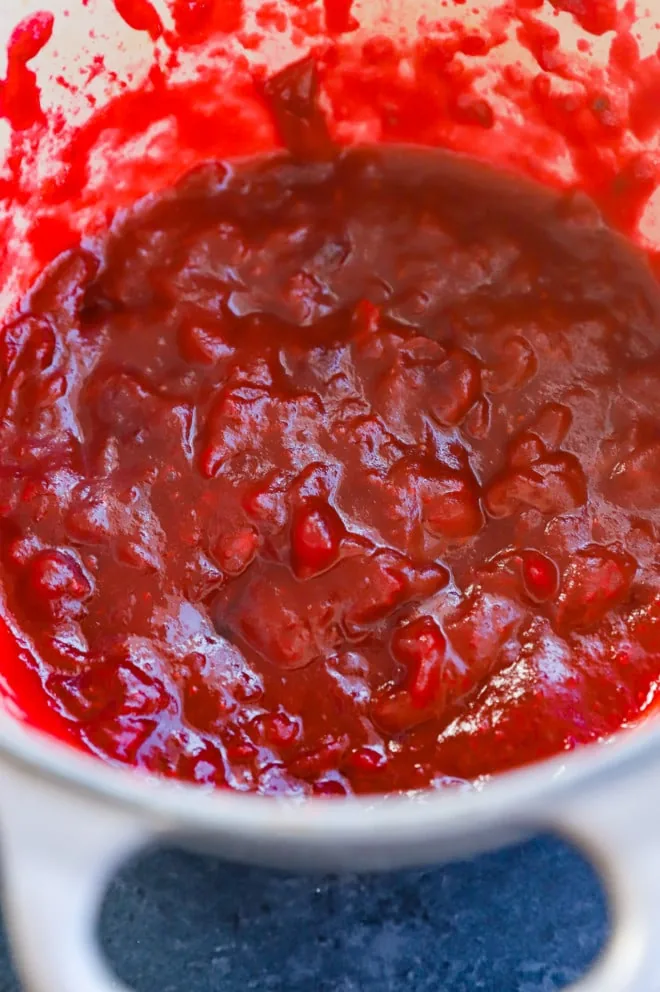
(338, 471)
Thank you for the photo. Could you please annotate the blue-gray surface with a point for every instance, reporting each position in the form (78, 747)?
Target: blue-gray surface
(529, 919)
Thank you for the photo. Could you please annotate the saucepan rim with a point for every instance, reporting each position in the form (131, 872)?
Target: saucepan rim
(520, 795)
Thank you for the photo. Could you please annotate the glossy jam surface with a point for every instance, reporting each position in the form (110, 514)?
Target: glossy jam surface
(338, 475)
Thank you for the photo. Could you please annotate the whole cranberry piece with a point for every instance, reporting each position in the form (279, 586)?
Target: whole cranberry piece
(330, 787)
(597, 580)
(450, 505)
(457, 384)
(421, 646)
(366, 317)
(112, 686)
(378, 584)
(316, 533)
(317, 761)
(236, 551)
(205, 705)
(540, 576)
(430, 685)
(57, 582)
(366, 759)
(279, 729)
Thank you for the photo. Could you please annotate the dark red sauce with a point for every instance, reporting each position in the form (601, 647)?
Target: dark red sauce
(337, 470)
(338, 475)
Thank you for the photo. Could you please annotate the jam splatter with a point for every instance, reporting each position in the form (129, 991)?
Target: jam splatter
(192, 18)
(140, 15)
(338, 17)
(196, 20)
(20, 96)
(595, 16)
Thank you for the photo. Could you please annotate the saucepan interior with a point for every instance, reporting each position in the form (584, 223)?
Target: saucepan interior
(127, 105)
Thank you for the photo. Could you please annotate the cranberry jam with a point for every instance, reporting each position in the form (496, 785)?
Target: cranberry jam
(338, 475)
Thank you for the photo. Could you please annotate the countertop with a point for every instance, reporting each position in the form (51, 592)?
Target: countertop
(527, 919)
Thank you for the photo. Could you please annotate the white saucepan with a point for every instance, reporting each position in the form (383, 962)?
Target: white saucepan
(67, 820)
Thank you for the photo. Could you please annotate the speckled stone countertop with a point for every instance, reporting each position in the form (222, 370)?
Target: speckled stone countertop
(528, 919)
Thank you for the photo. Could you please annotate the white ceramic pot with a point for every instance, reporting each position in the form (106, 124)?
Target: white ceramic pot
(67, 821)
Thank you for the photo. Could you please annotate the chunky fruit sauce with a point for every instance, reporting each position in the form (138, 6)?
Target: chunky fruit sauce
(338, 475)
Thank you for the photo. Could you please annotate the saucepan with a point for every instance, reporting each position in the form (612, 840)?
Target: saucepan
(66, 819)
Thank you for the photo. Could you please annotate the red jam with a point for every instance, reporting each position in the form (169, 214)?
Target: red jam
(338, 475)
